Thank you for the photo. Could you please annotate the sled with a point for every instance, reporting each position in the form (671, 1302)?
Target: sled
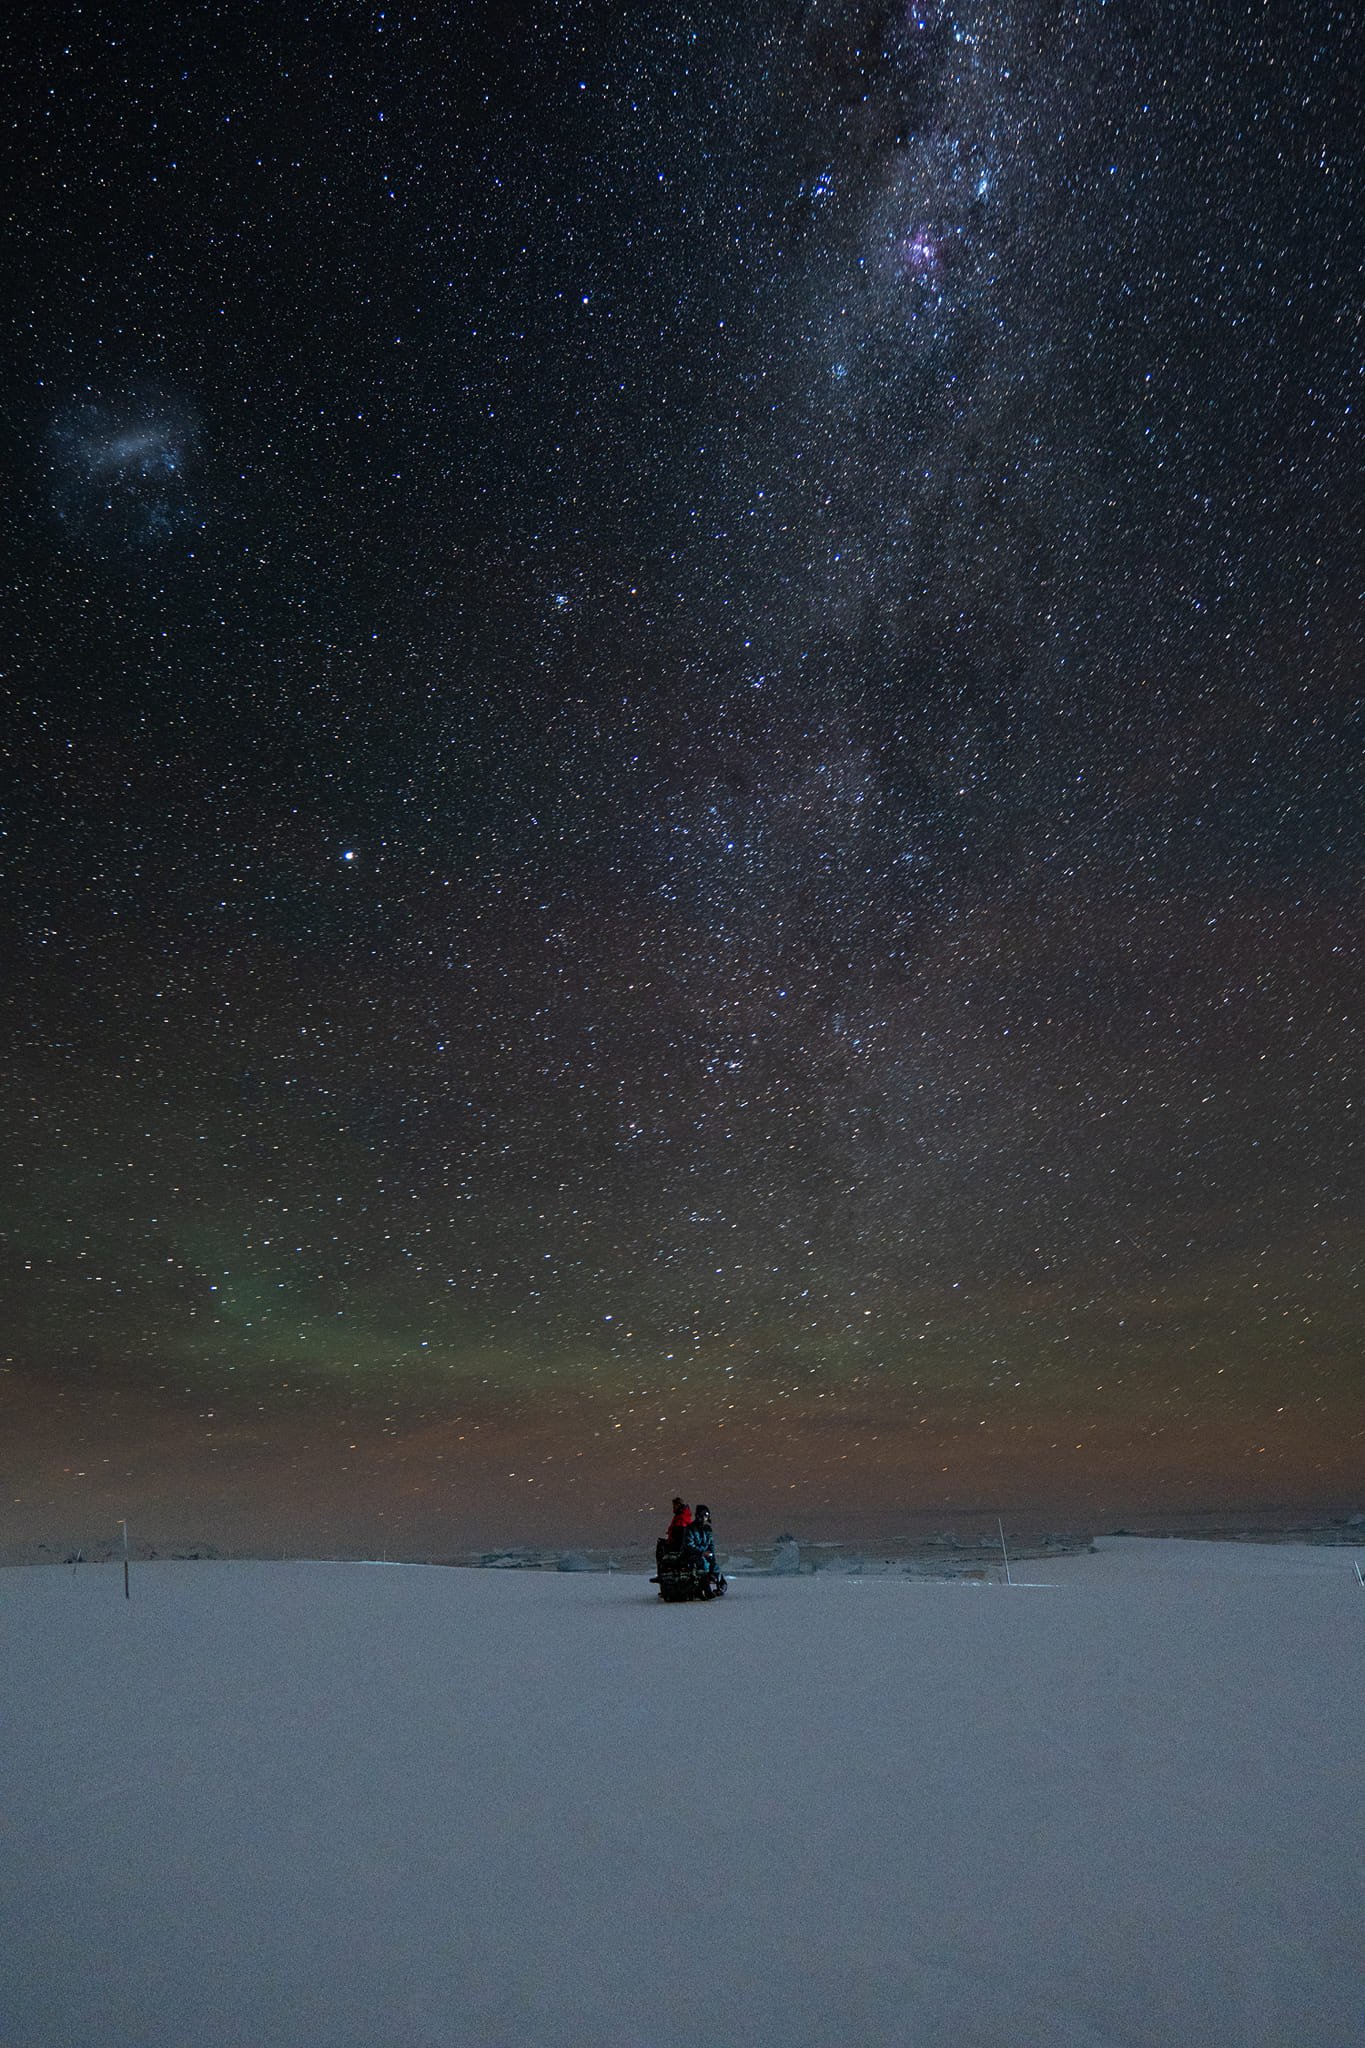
(682, 1575)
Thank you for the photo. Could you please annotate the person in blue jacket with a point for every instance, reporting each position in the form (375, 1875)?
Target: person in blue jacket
(704, 1538)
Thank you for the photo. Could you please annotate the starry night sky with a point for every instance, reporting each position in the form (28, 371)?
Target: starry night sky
(683, 739)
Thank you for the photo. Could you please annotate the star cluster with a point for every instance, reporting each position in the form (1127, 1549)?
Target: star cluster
(685, 743)
(120, 473)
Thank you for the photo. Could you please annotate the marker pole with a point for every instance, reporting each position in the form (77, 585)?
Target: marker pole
(1000, 1525)
(124, 1526)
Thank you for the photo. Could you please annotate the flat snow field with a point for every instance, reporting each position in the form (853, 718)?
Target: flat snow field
(365, 1806)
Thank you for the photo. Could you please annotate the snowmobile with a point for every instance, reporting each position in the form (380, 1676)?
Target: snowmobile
(687, 1574)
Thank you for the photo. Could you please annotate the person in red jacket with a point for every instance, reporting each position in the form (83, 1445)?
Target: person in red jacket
(677, 1530)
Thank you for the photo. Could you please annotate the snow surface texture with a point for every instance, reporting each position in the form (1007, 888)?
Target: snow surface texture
(364, 1807)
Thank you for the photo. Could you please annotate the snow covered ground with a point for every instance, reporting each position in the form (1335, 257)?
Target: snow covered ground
(361, 1806)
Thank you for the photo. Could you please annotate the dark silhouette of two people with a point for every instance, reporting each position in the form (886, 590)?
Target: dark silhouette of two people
(690, 1533)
